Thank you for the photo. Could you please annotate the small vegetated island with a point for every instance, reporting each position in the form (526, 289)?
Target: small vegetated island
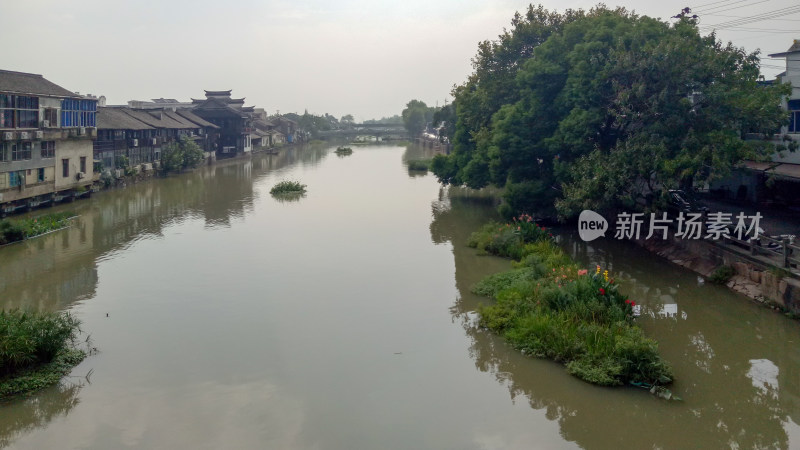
(37, 349)
(288, 190)
(419, 165)
(344, 151)
(550, 308)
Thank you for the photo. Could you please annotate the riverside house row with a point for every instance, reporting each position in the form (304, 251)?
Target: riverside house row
(55, 143)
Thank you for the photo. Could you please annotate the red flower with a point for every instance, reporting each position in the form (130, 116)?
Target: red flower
(602, 291)
(627, 300)
(633, 303)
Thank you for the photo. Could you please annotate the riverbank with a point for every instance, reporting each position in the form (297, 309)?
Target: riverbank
(751, 276)
(550, 308)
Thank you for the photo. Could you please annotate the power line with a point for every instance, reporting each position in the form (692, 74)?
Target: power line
(724, 8)
(756, 18)
(747, 17)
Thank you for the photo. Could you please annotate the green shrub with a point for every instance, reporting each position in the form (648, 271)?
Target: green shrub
(722, 274)
(288, 187)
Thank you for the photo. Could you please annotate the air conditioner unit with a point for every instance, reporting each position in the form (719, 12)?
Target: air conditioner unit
(24, 135)
(8, 135)
(135, 143)
(80, 175)
(155, 141)
(45, 123)
(81, 131)
(38, 134)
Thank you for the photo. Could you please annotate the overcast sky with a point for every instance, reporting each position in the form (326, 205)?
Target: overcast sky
(366, 58)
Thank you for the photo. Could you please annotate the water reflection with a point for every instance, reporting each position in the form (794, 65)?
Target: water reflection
(61, 267)
(736, 363)
(22, 417)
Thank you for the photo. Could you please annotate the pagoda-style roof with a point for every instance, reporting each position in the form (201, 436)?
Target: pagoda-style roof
(218, 93)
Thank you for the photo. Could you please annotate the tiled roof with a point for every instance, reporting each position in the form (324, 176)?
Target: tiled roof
(117, 119)
(195, 118)
(158, 122)
(31, 83)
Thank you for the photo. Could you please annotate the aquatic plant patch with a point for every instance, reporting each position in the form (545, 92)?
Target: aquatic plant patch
(344, 151)
(36, 349)
(549, 307)
(17, 230)
(288, 187)
(420, 165)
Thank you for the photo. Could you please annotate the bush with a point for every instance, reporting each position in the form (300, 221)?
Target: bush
(288, 187)
(10, 232)
(722, 275)
(180, 155)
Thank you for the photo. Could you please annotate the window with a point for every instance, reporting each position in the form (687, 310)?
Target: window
(83, 164)
(19, 111)
(78, 113)
(65, 167)
(48, 149)
(14, 179)
(794, 118)
(40, 175)
(51, 117)
(21, 152)
(4, 153)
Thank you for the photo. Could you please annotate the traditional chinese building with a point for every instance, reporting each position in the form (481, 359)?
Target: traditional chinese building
(233, 119)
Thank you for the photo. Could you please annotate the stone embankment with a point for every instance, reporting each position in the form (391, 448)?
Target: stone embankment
(754, 277)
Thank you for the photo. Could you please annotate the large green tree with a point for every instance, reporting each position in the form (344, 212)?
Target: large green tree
(611, 108)
(416, 116)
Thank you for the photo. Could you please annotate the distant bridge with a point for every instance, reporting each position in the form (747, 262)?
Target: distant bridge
(369, 129)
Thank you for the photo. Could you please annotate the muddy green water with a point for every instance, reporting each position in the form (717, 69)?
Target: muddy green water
(344, 321)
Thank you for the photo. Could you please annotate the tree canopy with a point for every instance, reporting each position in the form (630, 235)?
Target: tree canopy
(599, 109)
(416, 116)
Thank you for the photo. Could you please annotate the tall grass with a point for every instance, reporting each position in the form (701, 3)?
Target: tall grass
(548, 307)
(31, 338)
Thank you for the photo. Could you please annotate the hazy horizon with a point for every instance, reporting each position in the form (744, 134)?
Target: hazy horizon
(351, 57)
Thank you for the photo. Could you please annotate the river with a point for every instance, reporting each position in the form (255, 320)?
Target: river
(225, 318)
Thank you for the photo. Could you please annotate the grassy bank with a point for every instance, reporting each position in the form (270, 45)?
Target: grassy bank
(17, 230)
(36, 350)
(549, 307)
